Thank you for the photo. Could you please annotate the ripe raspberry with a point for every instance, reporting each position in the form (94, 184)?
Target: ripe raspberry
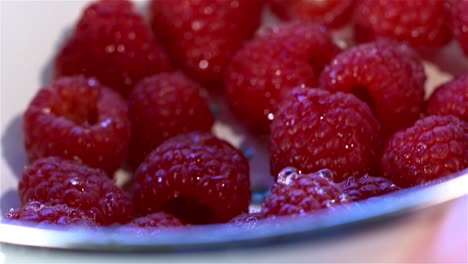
(205, 34)
(314, 129)
(196, 177)
(333, 13)
(459, 22)
(59, 214)
(420, 23)
(78, 118)
(59, 181)
(450, 99)
(156, 220)
(247, 220)
(361, 188)
(266, 69)
(387, 76)
(162, 106)
(296, 193)
(112, 42)
(433, 147)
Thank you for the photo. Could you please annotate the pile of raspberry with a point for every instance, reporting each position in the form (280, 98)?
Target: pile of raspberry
(344, 125)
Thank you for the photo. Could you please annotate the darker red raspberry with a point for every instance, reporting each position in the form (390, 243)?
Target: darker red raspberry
(387, 76)
(196, 177)
(433, 147)
(60, 214)
(155, 220)
(450, 99)
(314, 129)
(361, 188)
(78, 118)
(420, 23)
(459, 22)
(333, 13)
(205, 34)
(296, 194)
(112, 42)
(266, 69)
(59, 181)
(162, 106)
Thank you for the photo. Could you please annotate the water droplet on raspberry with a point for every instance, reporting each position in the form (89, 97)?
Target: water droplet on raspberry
(326, 174)
(285, 175)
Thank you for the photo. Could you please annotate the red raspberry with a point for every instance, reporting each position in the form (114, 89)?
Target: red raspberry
(434, 147)
(387, 76)
(420, 23)
(59, 214)
(163, 106)
(196, 177)
(366, 187)
(450, 99)
(60, 181)
(205, 34)
(459, 22)
(333, 13)
(112, 42)
(314, 129)
(156, 220)
(247, 220)
(266, 69)
(296, 193)
(78, 118)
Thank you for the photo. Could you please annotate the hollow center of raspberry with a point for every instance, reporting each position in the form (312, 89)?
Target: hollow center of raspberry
(363, 94)
(190, 210)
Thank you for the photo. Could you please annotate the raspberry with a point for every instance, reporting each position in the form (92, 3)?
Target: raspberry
(314, 129)
(385, 75)
(366, 187)
(162, 106)
(333, 13)
(60, 214)
(156, 220)
(205, 34)
(112, 42)
(266, 69)
(247, 220)
(296, 193)
(450, 99)
(420, 23)
(78, 118)
(459, 22)
(433, 147)
(196, 177)
(59, 181)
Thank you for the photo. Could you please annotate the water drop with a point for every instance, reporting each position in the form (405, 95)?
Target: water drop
(326, 174)
(285, 175)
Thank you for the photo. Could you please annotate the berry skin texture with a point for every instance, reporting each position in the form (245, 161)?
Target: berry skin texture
(450, 99)
(59, 181)
(387, 76)
(314, 129)
(111, 42)
(163, 106)
(297, 194)
(420, 23)
(332, 13)
(156, 220)
(433, 147)
(279, 59)
(78, 118)
(196, 177)
(365, 187)
(459, 22)
(59, 214)
(205, 34)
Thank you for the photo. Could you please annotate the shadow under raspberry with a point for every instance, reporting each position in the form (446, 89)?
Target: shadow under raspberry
(9, 199)
(12, 145)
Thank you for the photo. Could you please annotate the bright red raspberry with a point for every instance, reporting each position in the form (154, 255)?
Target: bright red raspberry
(420, 23)
(387, 76)
(155, 220)
(163, 106)
(60, 214)
(78, 118)
(196, 177)
(361, 188)
(266, 69)
(297, 194)
(333, 13)
(112, 42)
(314, 129)
(59, 181)
(205, 34)
(433, 147)
(459, 22)
(450, 99)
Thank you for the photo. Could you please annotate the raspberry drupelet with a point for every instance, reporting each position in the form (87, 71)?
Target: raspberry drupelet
(365, 187)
